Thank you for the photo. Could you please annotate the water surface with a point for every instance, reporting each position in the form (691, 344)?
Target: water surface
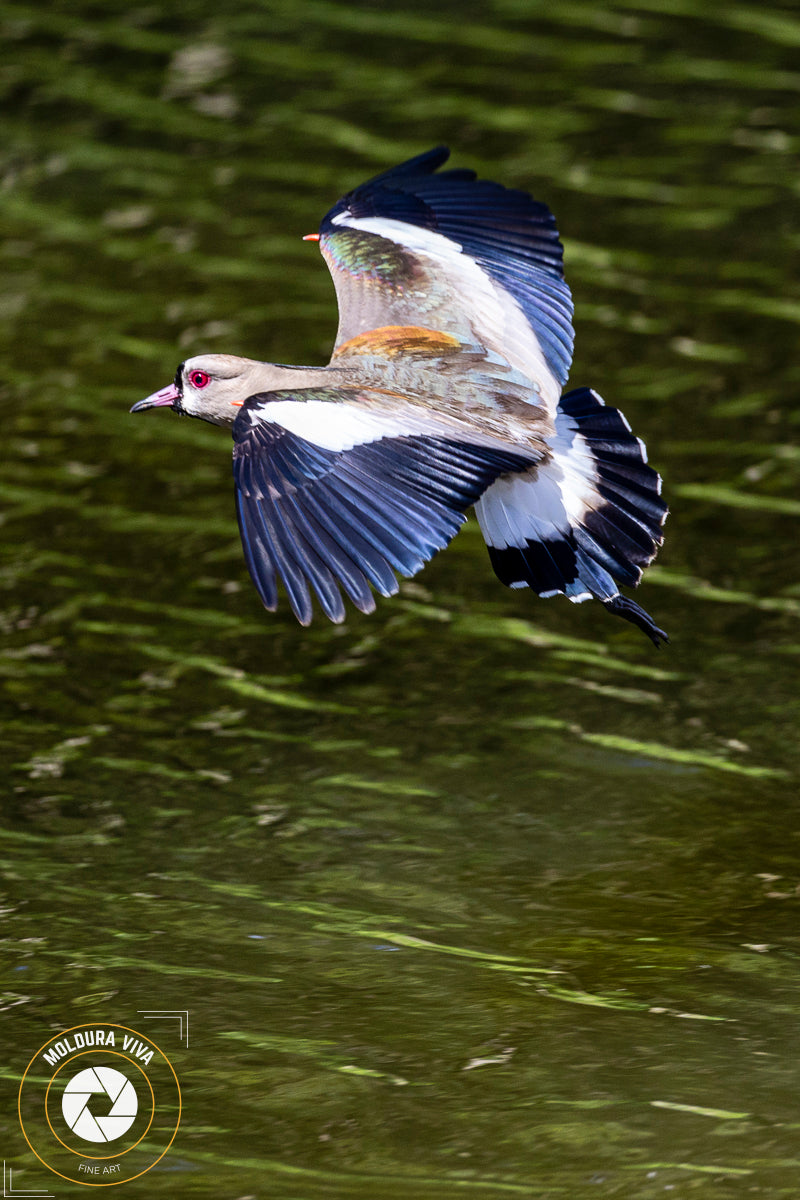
(479, 894)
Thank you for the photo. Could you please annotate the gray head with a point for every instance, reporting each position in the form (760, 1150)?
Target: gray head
(214, 387)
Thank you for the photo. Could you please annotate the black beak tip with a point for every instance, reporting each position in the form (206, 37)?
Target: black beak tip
(166, 398)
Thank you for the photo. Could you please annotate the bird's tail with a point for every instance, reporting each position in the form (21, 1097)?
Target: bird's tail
(586, 518)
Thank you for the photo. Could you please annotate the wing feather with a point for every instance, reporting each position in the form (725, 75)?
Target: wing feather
(317, 518)
(454, 253)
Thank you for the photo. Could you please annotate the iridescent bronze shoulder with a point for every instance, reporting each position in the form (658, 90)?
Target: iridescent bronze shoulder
(393, 341)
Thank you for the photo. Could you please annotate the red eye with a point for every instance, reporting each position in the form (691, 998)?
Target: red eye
(198, 379)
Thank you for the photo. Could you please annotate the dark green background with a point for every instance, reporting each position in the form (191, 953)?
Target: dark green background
(479, 895)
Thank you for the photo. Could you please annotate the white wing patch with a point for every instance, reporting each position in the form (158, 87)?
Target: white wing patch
(413, 237)
(543, 503)
(337, 427)
(340, 427)
(521, 509)
(496, 317)
(577, 475)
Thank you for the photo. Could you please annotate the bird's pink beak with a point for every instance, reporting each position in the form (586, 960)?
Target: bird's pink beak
(164, 399)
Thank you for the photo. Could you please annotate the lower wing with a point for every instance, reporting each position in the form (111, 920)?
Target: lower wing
(332, 496)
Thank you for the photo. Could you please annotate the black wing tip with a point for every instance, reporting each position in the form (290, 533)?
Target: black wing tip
(629, 610)
(421, 164)
(429, 160)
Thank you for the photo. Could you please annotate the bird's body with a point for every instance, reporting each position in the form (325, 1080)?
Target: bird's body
(444, 391)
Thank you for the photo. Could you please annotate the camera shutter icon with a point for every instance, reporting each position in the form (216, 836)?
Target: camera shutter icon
(94, 1081)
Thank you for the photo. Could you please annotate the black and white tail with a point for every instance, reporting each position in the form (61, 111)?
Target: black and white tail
(583, 518)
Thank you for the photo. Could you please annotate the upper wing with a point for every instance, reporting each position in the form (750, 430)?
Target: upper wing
(455, 255)
(330, 494)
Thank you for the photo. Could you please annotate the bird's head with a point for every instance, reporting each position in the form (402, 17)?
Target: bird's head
(213, 387)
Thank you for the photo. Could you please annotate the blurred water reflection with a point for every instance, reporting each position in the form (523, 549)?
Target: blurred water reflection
(476, 893)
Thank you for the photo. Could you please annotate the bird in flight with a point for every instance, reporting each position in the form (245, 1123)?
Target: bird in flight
(444, 392)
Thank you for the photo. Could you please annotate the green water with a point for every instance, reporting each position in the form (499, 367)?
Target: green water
(478, 895)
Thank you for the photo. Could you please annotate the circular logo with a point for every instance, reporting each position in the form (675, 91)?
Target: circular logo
(99, 1104)
(103, 1081)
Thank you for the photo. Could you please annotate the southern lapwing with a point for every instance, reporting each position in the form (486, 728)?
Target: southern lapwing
(444, 391)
